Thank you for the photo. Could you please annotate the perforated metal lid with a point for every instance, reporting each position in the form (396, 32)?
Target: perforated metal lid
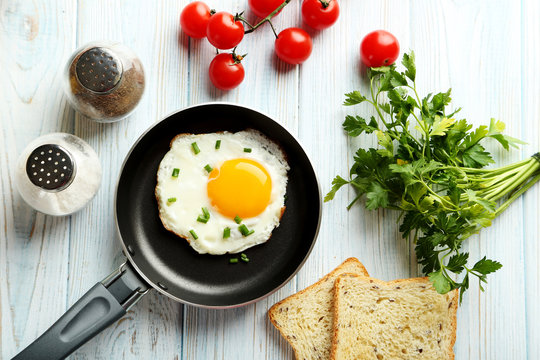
(50, 167)
(99, 69)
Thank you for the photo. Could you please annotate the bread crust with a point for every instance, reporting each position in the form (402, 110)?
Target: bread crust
(453, 306)
(273, 310)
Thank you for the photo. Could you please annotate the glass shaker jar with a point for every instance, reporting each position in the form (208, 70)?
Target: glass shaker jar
(104, 81)
(58, 174)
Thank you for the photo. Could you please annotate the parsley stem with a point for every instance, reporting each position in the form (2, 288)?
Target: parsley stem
(516, 195)
(510, 184)
(375, 104)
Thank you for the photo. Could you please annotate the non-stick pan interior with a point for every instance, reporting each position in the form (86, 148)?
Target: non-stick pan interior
(168, 262)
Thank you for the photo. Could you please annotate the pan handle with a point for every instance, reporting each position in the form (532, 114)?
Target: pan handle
(102, 305)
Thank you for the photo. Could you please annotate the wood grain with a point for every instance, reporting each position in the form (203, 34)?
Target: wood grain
(486, 51)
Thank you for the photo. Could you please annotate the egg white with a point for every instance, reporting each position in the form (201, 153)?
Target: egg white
(190, 189)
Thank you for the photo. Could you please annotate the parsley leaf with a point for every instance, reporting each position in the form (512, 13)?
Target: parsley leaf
(440, 282)
(356, 125)
(354, 98)
(376, 196)
(486, 266)
(337, 183)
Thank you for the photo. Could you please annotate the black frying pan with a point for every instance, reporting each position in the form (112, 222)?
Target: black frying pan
(159, 259)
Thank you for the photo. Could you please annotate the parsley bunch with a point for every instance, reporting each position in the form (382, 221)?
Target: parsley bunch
(431, 167)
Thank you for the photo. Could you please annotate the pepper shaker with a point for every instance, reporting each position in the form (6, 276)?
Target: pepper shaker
(104, 81)
(58, 174)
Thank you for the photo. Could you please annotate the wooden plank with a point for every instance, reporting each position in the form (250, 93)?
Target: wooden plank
(151, 326)
(530, 132)
(212, 334)
(33, 44)
(334, 69)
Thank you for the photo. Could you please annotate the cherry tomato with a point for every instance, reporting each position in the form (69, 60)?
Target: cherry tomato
(320, 14)
(224, 73)
(293, 45)
(223, 31)
(194, 19)
(379, 48)
(263, 8)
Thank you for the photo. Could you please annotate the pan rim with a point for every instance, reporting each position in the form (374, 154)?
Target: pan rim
(156, 286)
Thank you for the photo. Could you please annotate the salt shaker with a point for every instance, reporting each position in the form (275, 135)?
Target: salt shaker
(58, 174)
(104, 81)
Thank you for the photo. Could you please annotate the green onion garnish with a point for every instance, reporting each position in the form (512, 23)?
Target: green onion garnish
(195, 147)
(205, 213)
(208, 168)
(237, 219)
(175, 172)
(205, 216)
(248, 150)
(233, 260)
(218, 144)
(244, 257)
(245, 231)
(171, 200)
(226, 232)
(202, 219)
(194, 234)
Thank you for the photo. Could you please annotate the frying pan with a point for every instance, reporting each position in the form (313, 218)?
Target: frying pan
(158, 259)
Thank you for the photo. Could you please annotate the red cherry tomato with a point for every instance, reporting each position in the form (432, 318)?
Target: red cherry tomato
(379, 48)
(224, 73)
(194, 19)
(320, 14)
(293, 45)
(223, 32)
(263, 8)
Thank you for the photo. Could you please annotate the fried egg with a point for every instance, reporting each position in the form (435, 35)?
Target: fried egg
(222, 192)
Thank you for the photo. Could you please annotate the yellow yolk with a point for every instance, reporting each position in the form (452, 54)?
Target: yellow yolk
(239, 187)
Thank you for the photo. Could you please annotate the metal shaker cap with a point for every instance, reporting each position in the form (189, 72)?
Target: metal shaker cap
(50, 167)
(99, 69)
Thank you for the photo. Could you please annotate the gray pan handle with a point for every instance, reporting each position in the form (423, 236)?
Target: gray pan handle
(101, 306)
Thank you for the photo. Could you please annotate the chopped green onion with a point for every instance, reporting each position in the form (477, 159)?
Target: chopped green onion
(244, 257)
(237, 219)
(218, 144)
(171, 200)
(205, 213)
(194, 234)
(205, 216)
(202, 219)
(195, 147)
(245, 231)
(233, 260)
(226, 232)
(175, 172)
(208, 168)
(248, 150)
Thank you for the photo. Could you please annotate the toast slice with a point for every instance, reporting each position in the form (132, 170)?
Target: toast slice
(401, 319)
(305, 319)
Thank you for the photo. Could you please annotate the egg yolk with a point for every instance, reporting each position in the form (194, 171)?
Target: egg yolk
(239, 187)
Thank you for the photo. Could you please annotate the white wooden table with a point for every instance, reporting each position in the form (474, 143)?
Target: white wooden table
(487, 51)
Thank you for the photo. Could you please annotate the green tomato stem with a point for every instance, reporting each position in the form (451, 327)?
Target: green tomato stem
(267, 19)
